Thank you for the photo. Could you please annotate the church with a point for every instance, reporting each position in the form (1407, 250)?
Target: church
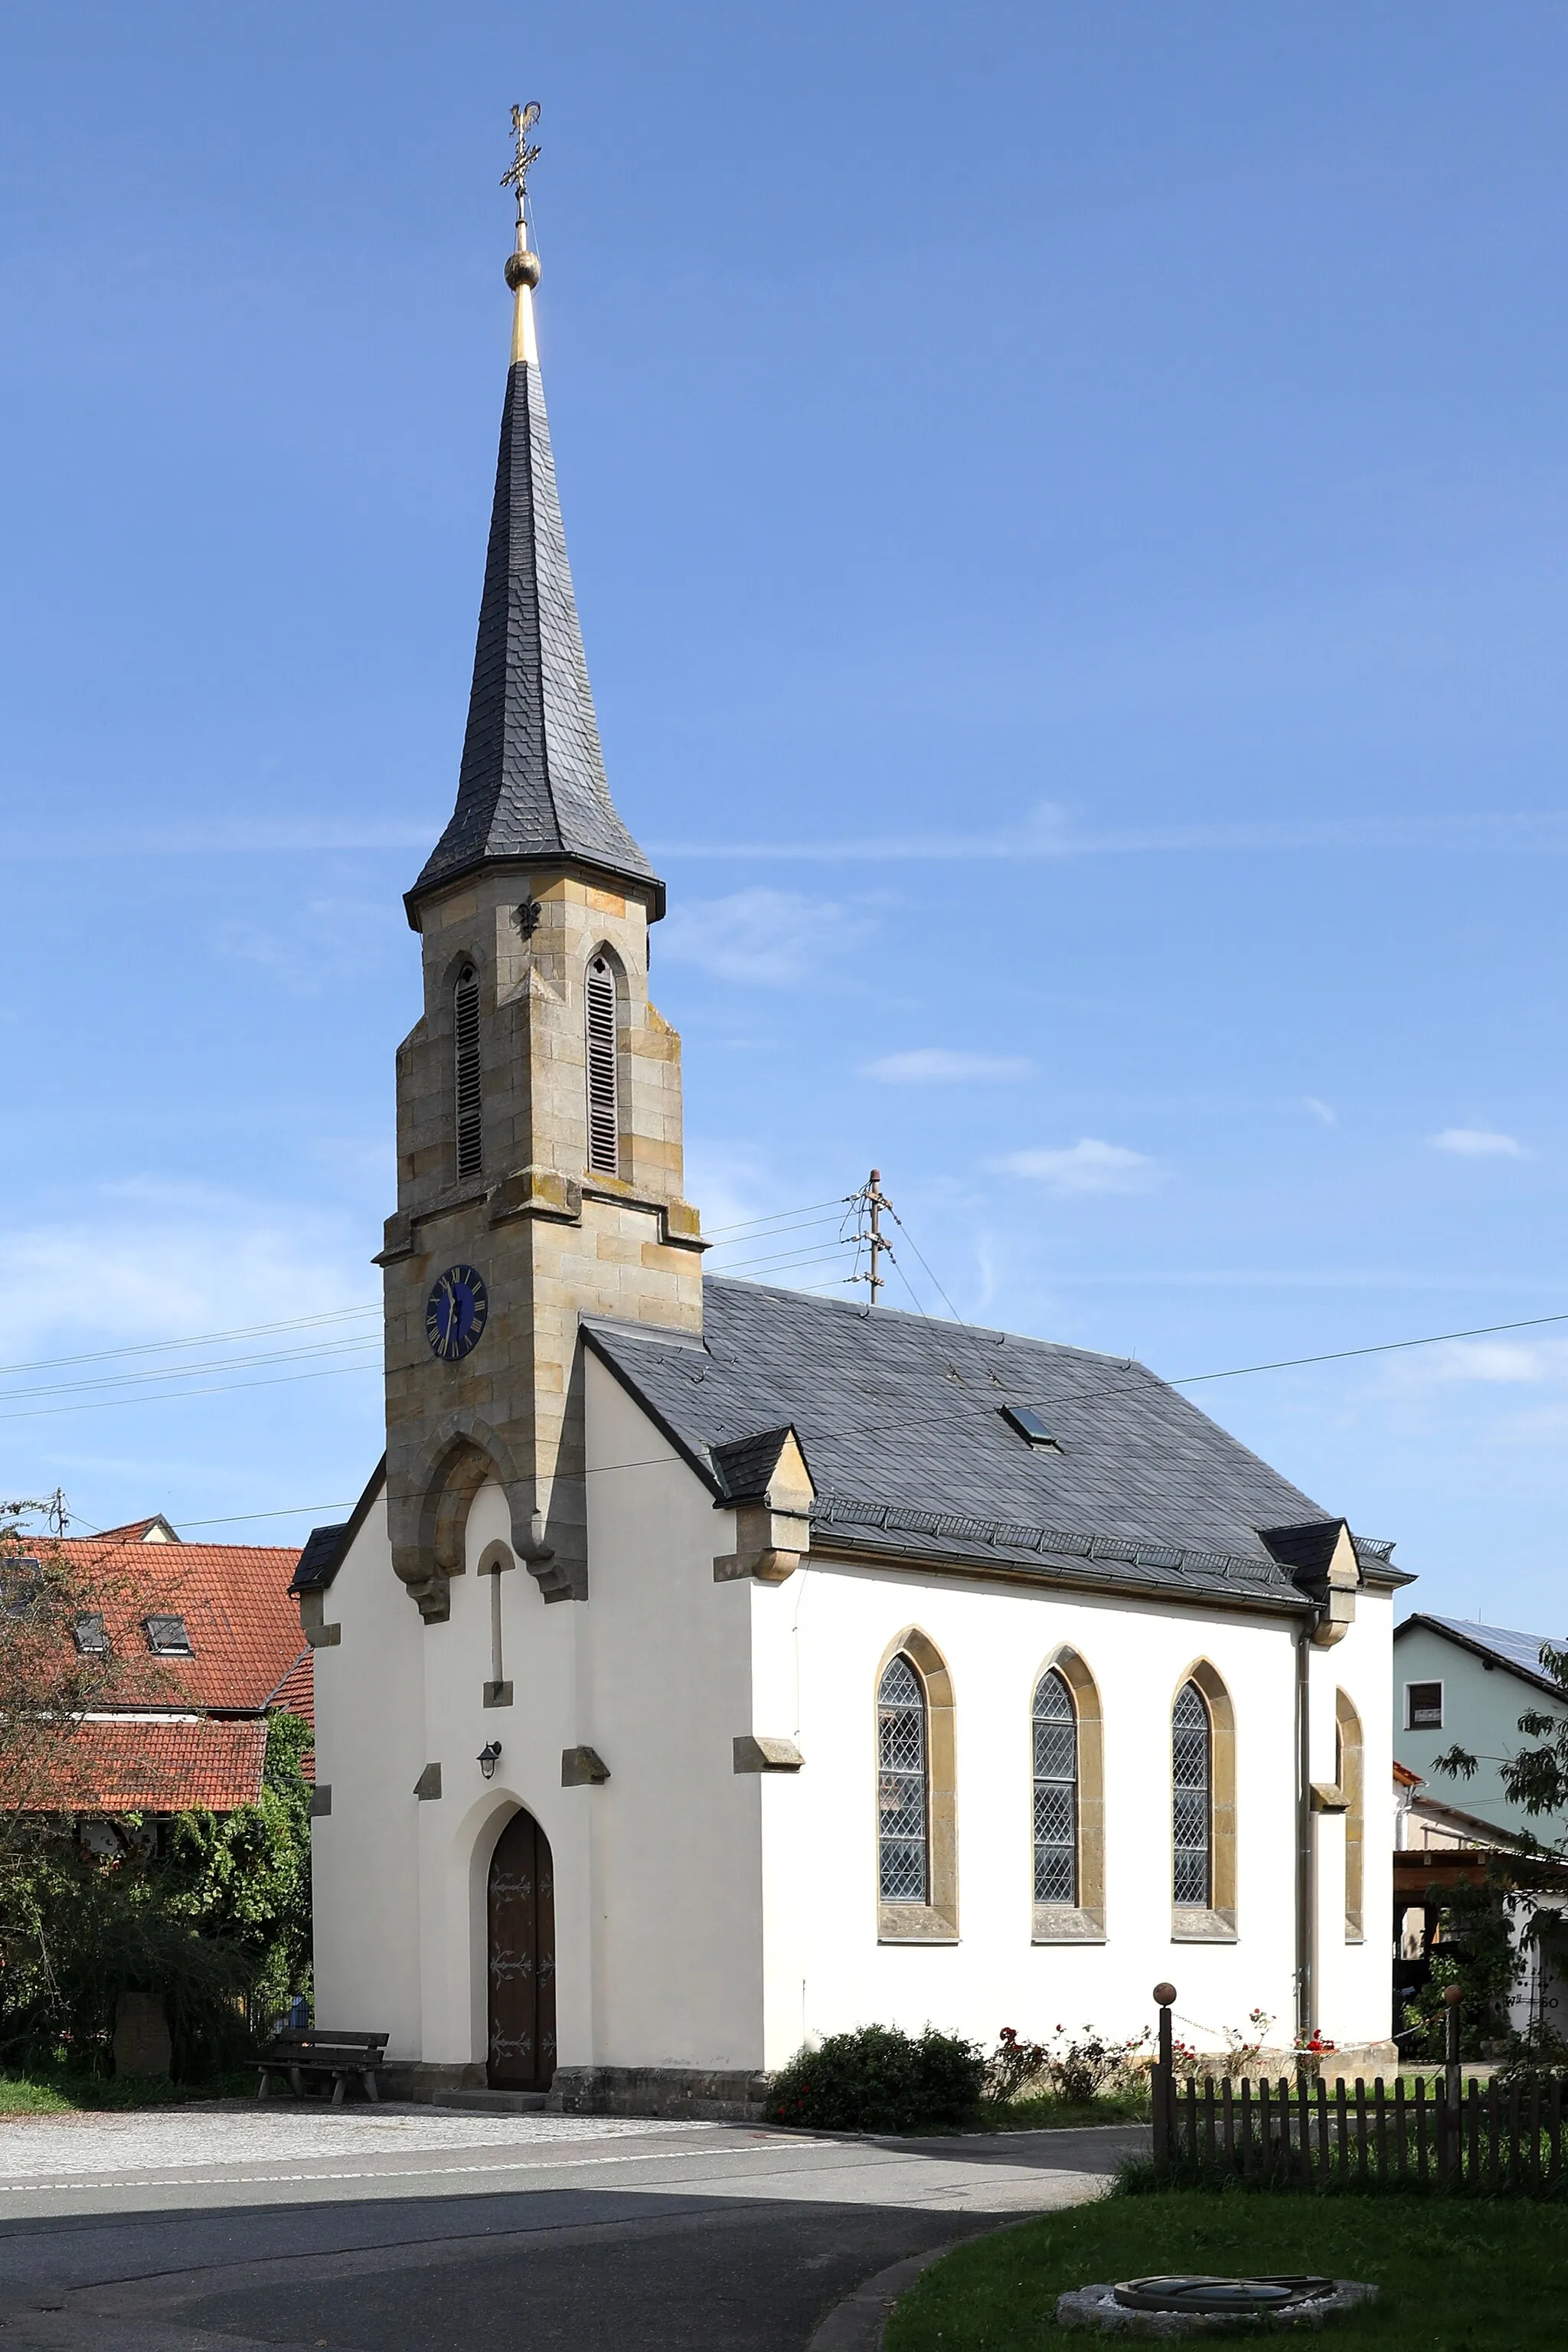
(710, 1667)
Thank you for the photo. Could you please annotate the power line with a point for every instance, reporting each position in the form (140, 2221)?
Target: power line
(196, 1340)
(745, 1224)
(181, 1396)
(195, 1371)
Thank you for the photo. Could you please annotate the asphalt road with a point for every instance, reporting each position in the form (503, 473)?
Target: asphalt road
(416, 2231)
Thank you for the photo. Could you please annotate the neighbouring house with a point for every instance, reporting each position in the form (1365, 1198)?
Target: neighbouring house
(709, 1667)
(1457, 1683)
(220, 1640)
(1462, 1685)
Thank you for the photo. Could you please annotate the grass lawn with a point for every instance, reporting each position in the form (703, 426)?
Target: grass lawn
(1059, 2115)
(62, 2094)
(1455, 2277)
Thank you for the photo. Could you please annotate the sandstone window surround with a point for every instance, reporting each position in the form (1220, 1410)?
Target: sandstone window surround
(1068, 1787)
(1203, 1809)
(1349, 1774)
(466, 1081)
(917, 1803)
(602, 1020)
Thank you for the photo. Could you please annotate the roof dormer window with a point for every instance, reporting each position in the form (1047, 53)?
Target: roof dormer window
(91, 1636)
(167, 1637)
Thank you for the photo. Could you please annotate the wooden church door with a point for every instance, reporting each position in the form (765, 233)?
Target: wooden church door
(521, 1910)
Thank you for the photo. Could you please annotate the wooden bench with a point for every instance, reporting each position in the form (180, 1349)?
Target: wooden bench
(316, 2050)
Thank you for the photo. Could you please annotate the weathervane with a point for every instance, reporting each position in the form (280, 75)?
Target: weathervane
(523, 267)
(523, 119)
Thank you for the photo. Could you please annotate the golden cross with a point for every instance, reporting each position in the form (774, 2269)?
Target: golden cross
(523, 119)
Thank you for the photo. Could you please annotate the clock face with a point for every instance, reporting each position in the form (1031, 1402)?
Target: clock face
(456, 1313)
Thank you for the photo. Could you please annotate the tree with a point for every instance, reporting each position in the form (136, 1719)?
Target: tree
(215, 1921)
(1536, 1779)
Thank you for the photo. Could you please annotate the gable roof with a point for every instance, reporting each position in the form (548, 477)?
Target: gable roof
(900, 1419)
(1519, 1652)
(153, 1530)
(531, 786)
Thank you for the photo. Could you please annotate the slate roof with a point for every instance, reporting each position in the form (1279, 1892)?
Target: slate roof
(900, 1420)
(1521, 1653)
(531, 786)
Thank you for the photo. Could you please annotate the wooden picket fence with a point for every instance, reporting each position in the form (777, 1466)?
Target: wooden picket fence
(1307, 2134)
(1475, 2138)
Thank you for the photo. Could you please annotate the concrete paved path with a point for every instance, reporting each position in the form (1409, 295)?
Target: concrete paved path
(410, 2230)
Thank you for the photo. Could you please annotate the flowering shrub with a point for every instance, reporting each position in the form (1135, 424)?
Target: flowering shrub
(1074, 2067)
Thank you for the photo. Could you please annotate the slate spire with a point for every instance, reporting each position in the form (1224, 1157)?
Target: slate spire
(531, 788)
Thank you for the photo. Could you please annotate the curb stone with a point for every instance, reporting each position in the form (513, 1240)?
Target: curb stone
(857, 2323)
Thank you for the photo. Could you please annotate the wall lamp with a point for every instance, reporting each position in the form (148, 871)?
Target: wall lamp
(489, 1758)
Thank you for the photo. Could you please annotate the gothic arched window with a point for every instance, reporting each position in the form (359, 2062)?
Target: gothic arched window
(604, 1109)
(465, 1072)
(903, 1838)
(1192, 1772)
(1056, 1790)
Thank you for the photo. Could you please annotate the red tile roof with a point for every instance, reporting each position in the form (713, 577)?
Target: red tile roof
(166, 1767)
(296, 1691)
(243, 1628)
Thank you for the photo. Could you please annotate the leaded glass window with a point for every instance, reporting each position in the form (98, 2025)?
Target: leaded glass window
(1191, 1754)
(902, 1808)
(1056, 1790)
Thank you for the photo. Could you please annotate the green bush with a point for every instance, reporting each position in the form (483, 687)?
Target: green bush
(880, 2079)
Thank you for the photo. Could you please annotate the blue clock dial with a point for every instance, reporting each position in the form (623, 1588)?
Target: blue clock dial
(456, 1313)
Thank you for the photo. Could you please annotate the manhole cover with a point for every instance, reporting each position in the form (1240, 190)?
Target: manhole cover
(1232, 2297)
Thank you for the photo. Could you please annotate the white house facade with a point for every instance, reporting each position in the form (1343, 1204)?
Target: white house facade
(710, 1667)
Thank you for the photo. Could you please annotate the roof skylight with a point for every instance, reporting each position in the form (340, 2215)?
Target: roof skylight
(167, 1637)
(1030, 1426)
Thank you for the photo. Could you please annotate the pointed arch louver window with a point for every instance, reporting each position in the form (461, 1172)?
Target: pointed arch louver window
(604, 1109)
(904, 1809)
(465, 1072)
(1056, 1790)
(1192, 1789)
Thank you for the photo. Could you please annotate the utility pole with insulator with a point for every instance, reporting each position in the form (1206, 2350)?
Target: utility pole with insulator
(872, 1199)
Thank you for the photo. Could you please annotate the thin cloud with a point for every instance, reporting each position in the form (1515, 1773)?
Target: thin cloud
(935, 1066)
(1320, 1110)
(771, 938)
(1478, 1143)
(1048, 831)
(1088, 1165)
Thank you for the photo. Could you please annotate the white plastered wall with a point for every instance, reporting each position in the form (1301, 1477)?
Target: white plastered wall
(678, 1906)
(1354, 1997)
(370, 1750)
(458, 1833)
(818, 1641)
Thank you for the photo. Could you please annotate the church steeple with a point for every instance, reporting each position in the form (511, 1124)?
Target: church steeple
(538, 1122)
(531, 786)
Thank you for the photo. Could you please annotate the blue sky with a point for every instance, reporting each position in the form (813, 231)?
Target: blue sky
(1067, 506)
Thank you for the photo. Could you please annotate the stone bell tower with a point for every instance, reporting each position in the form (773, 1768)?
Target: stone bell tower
(538, 1122)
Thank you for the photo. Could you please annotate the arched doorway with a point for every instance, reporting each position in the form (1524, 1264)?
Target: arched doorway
(522, 1915)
